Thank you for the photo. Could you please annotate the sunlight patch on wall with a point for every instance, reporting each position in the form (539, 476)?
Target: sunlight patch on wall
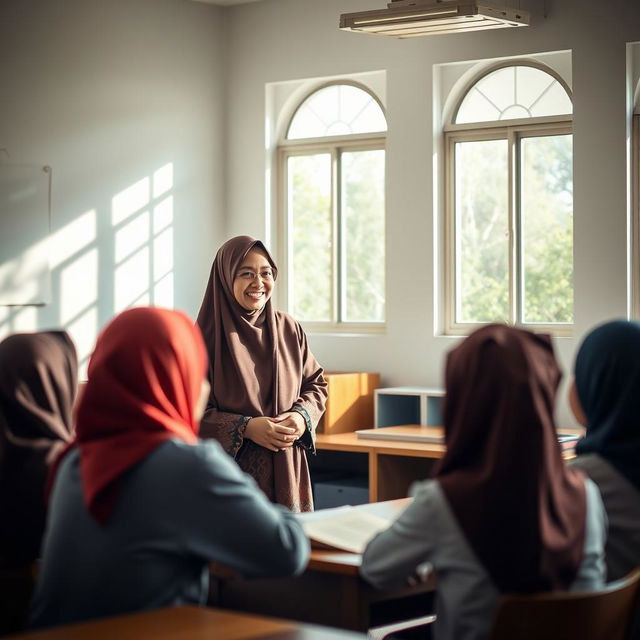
(163, 214)
(25, 278)
(131, 281)
(143, 242)
(162, 254)
(129, 201)
(163, 291)
(83, 330)
(67, 241)
(7, 320)
(17, 320)
(163, 180)
(78, 286)
(131, 236)
(73, 257)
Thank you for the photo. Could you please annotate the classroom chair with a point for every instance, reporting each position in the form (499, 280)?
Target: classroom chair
(606, 614)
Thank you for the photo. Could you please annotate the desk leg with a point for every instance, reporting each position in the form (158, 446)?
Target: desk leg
(396, 473)
(373, 477)
(355, 608)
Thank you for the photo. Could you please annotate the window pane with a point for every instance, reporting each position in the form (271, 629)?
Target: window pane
(513, 92)
(481, 231)
(530, 84)
(309, 208)
(499, 87)
(554, 101)
(547, 228)
(476, 107)
(363, 235)
(339, 109)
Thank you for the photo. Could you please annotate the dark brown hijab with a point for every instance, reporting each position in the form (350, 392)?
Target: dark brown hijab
(520, 508)
(257, 371)
(38, 382)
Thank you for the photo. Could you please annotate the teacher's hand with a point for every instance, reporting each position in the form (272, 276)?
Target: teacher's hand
(271, 433)
(293, 420)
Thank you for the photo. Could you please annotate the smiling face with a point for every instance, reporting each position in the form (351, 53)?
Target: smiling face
(253, 281)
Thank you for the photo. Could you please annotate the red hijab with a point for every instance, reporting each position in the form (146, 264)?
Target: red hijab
(521, 509)
(145, 379)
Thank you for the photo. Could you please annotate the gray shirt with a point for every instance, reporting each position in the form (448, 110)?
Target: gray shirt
(466, 598)
(181, 508)
(622, 504)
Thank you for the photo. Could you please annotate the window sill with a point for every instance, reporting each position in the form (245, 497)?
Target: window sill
(344, 329)
(555, 330)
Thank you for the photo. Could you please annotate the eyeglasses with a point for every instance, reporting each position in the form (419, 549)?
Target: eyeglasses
(247, 275)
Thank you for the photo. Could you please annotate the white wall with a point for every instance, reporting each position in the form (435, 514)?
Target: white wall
(108, 93)
(283, 40)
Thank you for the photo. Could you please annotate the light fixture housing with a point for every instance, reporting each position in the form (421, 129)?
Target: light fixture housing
(412, 18)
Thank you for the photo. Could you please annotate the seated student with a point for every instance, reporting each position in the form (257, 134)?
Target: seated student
(605, 398)
(140, 507)
(38, 381)
(503, 514)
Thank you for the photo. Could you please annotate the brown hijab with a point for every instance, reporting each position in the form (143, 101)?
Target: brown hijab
(38, 383)
(259, 365)
(257, 371)
(520, 508)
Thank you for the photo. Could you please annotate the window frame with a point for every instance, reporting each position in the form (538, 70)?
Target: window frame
(334, 146)
(513, 131)
(635, 213)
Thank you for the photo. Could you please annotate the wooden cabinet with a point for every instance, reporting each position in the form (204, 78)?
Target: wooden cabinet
(350, 401)
(347, 467)
(387, 467)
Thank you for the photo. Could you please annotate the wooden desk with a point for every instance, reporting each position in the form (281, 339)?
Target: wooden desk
(330, 591)
(190, 623)
(393, 465)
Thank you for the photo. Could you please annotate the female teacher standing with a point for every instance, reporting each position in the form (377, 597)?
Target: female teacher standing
(267, 390)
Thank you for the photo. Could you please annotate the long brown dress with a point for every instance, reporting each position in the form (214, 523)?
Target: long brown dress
(259, 365)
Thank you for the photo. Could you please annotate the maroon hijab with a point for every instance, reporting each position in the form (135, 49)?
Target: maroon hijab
(255, 368)
(520, 508)
(38, 383)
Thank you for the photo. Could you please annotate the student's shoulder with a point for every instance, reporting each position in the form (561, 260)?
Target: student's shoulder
(426, 494)
(205, 457)
(427, 487)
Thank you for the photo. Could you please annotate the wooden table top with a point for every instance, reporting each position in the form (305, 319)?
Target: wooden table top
(350, 441)
(191, 623)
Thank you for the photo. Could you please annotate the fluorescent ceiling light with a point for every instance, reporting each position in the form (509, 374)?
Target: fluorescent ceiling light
(411, 18)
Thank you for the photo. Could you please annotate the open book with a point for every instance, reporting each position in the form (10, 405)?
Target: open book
(349, 528)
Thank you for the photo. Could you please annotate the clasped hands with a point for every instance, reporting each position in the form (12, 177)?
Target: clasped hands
(276, 433)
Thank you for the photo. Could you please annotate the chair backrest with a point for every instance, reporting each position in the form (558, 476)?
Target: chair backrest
(593, 615)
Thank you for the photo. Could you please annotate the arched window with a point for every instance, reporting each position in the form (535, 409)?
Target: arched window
(332, 164)
(509, 207)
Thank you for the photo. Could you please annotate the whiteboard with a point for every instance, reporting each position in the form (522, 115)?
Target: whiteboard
(25, 223)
